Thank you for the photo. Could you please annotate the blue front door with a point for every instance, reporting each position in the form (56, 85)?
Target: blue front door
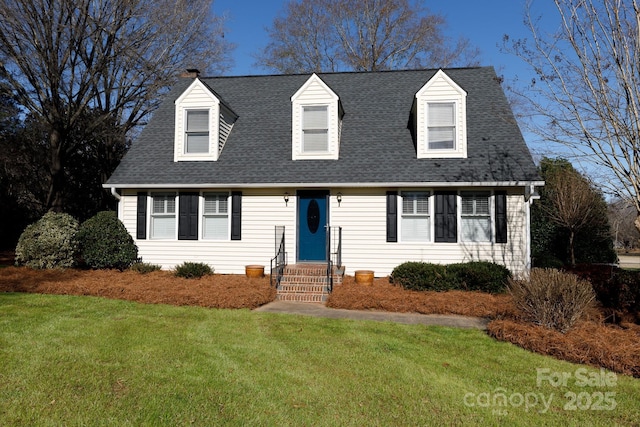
(312, 221)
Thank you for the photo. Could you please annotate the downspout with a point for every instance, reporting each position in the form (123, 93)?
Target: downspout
(115, 194)
(118, 198)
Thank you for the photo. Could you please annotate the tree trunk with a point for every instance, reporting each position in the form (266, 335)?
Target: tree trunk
(637, 221)
(571, 248)
(55, 201)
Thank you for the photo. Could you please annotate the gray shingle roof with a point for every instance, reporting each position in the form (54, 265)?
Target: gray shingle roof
(376, 144)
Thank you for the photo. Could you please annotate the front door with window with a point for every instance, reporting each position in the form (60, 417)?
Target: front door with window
(312, 222)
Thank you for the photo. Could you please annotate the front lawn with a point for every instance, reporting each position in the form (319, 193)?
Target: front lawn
(69, 360)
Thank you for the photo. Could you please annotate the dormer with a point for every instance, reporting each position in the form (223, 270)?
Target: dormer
(202, 124)
(316, 121)
(441, 119)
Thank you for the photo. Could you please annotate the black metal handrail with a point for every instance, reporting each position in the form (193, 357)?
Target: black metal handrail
(279, 261)
(334, 253)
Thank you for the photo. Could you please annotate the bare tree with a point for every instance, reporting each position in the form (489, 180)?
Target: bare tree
(573, 204)
(362, 35)
(67, 59)
(586, 93)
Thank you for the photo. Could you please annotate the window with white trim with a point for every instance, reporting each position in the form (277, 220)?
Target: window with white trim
(475, 216)
(196, 132)
(215, 216)
(163, 216)
(416, 219)
(441, 126)
(315, 128)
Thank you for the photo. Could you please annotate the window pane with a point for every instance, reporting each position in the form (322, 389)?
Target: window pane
(197, 121)
(441, 114)
(158, 204)
(215, 203)
(476, 229)
(314, 117)
(215, 227)
(163, 227)
(315, 140)
(197, 143)
(467, 205)
(415, 228)
(415, 203)
(442, 138)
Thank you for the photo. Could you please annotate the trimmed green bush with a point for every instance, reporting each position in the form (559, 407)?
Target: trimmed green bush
(472, 276)
(552, 298)
(50, 242)
(106, 243)
(420, 276)
(478, 276)
(193, 270)
(144, 267)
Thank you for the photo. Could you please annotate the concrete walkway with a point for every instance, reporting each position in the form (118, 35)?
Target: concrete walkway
(319, 310)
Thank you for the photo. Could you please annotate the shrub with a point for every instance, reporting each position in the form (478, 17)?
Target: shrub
(106, 243)
(193, 270)
(420, 276)
(552, 298)
(144, 267)
(478, 276)
(616, 289)
(50, 242)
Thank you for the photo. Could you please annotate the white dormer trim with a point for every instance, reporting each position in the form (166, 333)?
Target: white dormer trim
(441, 89)
(197, 97)
(315, 97)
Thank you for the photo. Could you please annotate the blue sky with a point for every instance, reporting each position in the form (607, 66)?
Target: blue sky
(484, 22)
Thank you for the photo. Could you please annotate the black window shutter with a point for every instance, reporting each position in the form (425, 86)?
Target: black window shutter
(501, 216)
(141, 216)
(188, 216)
(392, 216)
(236, 215)
(446, 217)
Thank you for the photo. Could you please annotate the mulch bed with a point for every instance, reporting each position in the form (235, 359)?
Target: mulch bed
(592, 342)
(158, 287)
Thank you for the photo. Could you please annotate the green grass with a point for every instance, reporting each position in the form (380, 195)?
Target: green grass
(91, 361)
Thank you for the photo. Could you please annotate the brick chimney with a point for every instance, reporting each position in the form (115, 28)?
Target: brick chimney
(190, 73)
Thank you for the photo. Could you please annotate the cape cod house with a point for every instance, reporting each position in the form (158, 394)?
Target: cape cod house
(376, 168)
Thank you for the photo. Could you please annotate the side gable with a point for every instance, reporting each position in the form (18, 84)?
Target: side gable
(316, 121)
(441, 119)
(210, 120)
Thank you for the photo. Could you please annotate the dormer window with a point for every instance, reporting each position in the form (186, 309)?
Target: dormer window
(202, 124)
(197, 132)
(315, 129)
(441, 123)
(440, 119)
(316, 120)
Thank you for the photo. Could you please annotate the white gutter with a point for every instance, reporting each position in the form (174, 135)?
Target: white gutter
(337, 185)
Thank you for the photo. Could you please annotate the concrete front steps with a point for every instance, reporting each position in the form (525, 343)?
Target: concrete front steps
(307, 283)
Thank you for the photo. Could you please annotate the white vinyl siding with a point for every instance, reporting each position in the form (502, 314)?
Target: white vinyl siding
(441, 132)
(197, 131)
(362, 214)
(163, 216)
(475, 220)
(415, 223)
(315, 129)
(215, 216)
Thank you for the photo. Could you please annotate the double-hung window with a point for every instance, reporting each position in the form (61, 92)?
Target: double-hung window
(415, 223)
(441, 127)
(215, 216)
(163, 216)
(315, 129)
(475, 216)
(197, 132)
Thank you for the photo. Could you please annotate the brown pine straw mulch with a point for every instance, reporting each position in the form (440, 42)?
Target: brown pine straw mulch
(592, 342)
(158, 287)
